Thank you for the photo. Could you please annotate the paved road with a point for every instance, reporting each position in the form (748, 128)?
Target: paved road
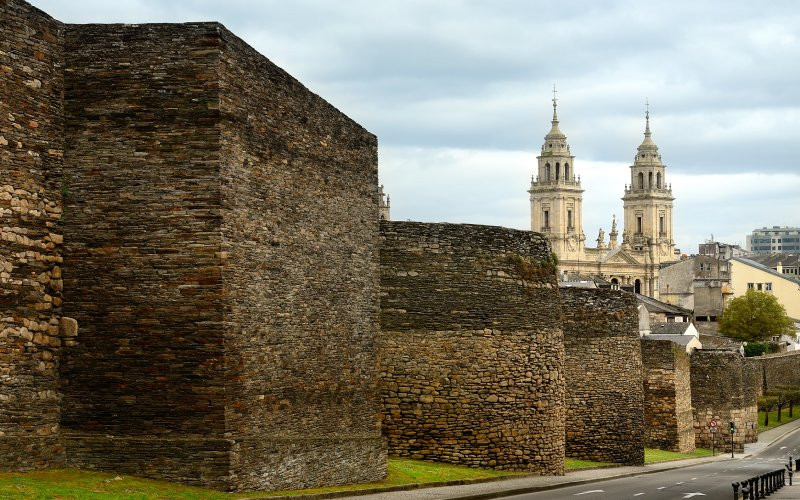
(709, 481)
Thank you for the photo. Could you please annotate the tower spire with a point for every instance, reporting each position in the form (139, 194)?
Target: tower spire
(555, 105)
(647, 117)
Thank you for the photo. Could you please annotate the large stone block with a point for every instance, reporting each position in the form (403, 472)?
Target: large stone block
(668, 423)
(220, 255)
(603, 367)
(31, 161)
(471, 347)
(723, 389)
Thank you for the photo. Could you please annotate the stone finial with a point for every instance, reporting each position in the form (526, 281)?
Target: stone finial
(612, 242)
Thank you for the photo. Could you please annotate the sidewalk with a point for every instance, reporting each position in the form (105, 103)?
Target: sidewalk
(766, 438)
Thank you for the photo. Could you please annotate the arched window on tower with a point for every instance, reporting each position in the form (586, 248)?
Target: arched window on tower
(641, 180)
(547, 171)
(566, 171)
(637, 286)
(658, 180)
(650, 180)
(558, 170)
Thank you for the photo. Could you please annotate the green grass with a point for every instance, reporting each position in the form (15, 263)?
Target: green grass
(87, 485)
(653, 456)
(773, 418)
(578, 464)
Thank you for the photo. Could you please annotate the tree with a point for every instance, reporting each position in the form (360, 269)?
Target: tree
(755, 316)
(792, 393)
(781, 400)
(766, 404)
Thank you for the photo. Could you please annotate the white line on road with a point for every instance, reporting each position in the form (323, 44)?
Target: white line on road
(679, 482)
(661, 488)
(694, 478)
(695, 494)
(587, 492)
(638, 494)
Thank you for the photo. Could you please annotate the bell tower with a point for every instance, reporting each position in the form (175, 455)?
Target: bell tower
(648, 202)
(556, 195)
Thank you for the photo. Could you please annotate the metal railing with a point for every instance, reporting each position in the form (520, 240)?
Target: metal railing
(763, 485)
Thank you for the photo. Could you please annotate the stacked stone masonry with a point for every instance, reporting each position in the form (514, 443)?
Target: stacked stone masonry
(777, 370)
(220, 252)
(668, 423)
(471, 347)
(604, 413)
(723, 389)
(31, 162)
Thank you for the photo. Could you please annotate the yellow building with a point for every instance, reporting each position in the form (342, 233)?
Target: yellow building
(556, 198)
(747, 274)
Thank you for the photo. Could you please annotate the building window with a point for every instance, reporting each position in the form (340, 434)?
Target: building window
(658, 180)
(547, 171)
(650, 180)
(558, 171)
(749, 286)
(546, 219)
(768, 287)
(566, 171)
(661, 225)
(759, 286)
(641, 180)
(639, 223)
(569, 219)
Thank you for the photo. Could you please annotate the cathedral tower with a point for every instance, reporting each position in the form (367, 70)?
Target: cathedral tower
(648, 203)
(556, 195)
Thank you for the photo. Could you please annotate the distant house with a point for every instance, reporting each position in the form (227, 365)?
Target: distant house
(681, 328)
(688, 342)
(748, 274)
(661, 312)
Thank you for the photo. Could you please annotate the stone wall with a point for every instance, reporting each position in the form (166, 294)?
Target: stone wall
(723, 389)
(299, 184)
(145, 387)
(471, 347)
(603, 364)
(221, 252)
(31, 160)
(668, 423)
(775, 370)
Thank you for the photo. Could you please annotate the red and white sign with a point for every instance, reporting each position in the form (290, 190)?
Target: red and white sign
(712, 423)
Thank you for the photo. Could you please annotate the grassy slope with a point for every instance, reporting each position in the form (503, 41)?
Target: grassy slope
(78, 484)
(773, 418)
(88, 485)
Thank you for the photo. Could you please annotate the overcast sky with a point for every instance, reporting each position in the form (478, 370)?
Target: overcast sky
(458, 93)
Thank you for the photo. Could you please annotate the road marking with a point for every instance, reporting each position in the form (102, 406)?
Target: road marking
(587, 492)
(638, 494)
(661, 488)
(695, 494)
(783, 447)
(694, 478)
(680, 482)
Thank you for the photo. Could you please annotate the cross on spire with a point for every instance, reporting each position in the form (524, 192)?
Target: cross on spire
(647, 117)
(555, 103)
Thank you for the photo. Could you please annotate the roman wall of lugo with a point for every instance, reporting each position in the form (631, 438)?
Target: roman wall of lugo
(195, 286)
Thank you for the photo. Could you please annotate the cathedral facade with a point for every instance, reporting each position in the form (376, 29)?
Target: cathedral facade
(556, 197)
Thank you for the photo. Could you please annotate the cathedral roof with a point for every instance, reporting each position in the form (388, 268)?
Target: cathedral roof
(555, 132)
(647, 152)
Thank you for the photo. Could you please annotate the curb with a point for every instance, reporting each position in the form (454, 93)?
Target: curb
(780, 436)
(493, 494)
(534, 489)
(389, 489)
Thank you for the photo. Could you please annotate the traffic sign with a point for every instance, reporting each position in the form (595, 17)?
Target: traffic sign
(712, 423)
